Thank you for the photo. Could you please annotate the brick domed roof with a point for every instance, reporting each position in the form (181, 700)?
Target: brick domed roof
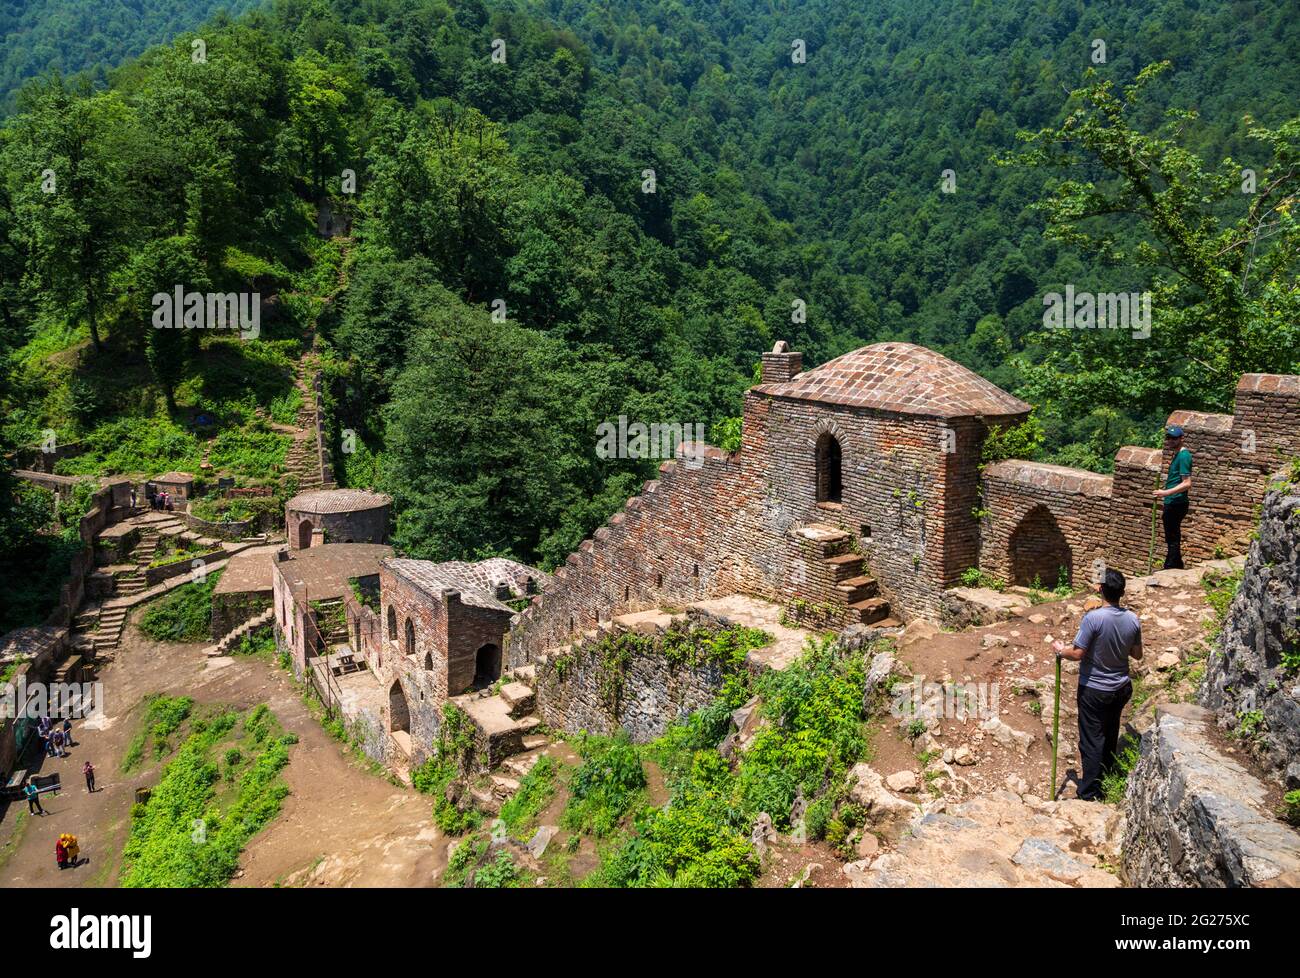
(903, 378)
(337, 501)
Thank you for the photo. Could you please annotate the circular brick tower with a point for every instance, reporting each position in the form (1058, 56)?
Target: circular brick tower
(337, 516)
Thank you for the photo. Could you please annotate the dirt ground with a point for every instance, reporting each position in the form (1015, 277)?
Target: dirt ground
(340, 825)
(1015, 657)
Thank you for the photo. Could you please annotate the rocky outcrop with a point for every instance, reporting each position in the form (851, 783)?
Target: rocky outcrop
(998, 840)
(1249, 672)
(1195, 817)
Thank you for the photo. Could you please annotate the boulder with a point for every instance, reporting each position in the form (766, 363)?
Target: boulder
(1197, 818)
(1249, 670)
(902, 781)
(887, 814)
(1008, 736)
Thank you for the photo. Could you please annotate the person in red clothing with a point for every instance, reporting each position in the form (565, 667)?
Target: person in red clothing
(89, 771)
(60, 853)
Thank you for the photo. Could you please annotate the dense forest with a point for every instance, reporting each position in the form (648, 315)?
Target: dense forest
(564, 212)
(91, 36)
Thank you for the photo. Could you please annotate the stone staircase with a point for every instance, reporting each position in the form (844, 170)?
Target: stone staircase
(232, 638)
(507, 729)
(101, 627)
(301, 460)
(835, 570)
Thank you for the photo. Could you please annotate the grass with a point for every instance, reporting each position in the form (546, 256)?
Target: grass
(221, 788)
(184, 615)
(163, 716)
(608, 783)
(1220, 589)
(1114, 783)
(535, 792)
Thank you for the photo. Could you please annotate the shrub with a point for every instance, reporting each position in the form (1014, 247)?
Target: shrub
(1114, 782)
(184, 615)
(606, 785)
(536, 789)
(182, 837)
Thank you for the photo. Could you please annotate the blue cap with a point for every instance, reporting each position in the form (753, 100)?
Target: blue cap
(1174, 431)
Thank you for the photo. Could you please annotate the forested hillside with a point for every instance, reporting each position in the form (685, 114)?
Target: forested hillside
(93, 36)
(643, 193)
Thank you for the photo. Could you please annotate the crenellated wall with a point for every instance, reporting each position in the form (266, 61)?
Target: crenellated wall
(1040, 516)
(679, 540)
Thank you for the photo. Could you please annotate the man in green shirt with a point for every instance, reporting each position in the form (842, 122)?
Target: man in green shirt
(1174, 496)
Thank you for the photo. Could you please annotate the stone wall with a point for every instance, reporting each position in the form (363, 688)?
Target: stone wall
(179, 568)
(232, 609)
(227, 530)
(1194, 817)
(1109, 518)
(1060, 520)
(1261, 637)
(621, 679)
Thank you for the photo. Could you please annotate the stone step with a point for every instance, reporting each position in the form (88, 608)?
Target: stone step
(503, 787)
(518, 697)
(526, 674)
(520, 764)
(845, 566)
(858, 588)
(871, 610)
(830, 541)
(534, 741)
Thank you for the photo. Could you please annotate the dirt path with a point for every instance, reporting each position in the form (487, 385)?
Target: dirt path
(341, 824)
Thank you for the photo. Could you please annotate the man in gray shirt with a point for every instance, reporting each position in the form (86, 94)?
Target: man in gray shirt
(1108, 637)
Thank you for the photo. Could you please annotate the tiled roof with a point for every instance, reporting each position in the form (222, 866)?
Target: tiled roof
(338, 501)
(903, 378)
(326, 570)
(475, 581)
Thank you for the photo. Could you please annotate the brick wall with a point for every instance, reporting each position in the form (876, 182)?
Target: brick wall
(1109, 518)
(360, 526)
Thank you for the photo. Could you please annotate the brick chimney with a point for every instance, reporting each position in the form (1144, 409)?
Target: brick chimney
(781, 364)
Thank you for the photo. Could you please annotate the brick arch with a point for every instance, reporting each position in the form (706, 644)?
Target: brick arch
(1038, 549)
(827, 456)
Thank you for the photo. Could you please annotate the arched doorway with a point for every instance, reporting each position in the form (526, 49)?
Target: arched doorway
(830, 483)
(399, 713)
(487, 666)
(304, 534)
(409, 647)
(1039, 553)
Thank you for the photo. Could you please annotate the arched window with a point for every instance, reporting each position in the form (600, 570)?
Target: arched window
(410, 638)
(829, 480)
(392, 624)
(304, 535)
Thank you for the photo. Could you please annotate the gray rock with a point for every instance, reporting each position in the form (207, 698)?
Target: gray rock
(1196, 817)
(1047, 857)
(1247, 671)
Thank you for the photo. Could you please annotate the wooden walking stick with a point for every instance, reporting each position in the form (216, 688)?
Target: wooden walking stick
(1056, 725)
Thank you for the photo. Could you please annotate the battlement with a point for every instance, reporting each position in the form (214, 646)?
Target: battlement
(1041, 518)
